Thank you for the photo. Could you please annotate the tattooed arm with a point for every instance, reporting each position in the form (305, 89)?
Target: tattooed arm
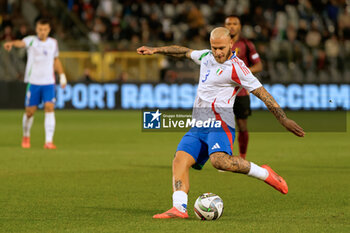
(277, 111)
(173, 50)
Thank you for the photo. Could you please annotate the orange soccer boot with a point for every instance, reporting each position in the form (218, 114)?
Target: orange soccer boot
(49, 145)
(26, 142)
(172, 213)
(275, 180)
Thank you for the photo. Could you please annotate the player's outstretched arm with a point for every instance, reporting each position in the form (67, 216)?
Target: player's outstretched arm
(276, 110)
(17, 43)
(173, 50)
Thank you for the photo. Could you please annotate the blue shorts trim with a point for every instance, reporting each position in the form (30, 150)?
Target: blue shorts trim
(36, 94)
(200, 143)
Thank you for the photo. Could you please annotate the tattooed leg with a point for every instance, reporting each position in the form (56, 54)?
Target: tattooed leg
(181, 167)
(223, 161)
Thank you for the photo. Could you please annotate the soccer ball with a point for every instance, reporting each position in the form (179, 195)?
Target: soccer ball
(208, 206)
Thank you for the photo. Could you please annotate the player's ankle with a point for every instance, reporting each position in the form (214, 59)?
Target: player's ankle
(180, 201)
(258, 172)
(182, 208)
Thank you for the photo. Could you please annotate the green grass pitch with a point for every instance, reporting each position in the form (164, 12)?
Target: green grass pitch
(108, 176)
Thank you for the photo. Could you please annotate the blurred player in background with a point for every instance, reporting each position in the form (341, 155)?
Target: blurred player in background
(245, 50)
(222, 75)
(42, 62)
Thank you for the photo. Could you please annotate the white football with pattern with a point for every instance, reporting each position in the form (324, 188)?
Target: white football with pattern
(209, 206)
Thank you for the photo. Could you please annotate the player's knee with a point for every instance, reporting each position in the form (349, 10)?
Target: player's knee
(242, 125)
(183, 159)
(176, 161)
(49, 107)
(218, 160)
(29, 114)
(243, 128)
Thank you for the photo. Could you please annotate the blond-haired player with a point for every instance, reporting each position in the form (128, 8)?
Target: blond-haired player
(222, 75)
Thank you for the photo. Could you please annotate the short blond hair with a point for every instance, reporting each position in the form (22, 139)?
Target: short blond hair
(219, 32)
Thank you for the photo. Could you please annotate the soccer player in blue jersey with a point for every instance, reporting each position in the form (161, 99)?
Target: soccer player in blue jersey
(41, 65)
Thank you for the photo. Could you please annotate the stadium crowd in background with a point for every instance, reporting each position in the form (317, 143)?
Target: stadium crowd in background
(299, 35)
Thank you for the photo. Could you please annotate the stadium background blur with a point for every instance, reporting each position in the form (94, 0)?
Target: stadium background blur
(299, 41)
(108, 175)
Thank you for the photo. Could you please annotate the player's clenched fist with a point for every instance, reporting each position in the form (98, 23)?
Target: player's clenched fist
(8, 46)
(144, 50)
